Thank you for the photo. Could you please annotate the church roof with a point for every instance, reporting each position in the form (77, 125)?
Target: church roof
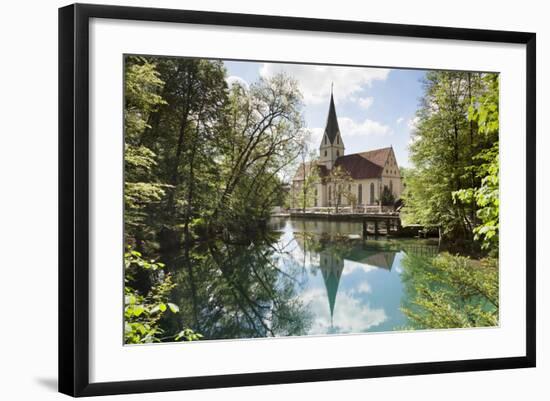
(377, 156)
(359, 165)
(299, 175)
(331, 128)
(365, 164)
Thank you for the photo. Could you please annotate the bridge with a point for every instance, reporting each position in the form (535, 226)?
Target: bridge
(377, 220)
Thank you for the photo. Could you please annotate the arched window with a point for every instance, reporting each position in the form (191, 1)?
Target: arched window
(337, 140)
(360, 194)
(325, 153)
(329, 195)
(391, 187)
(315, 199)
(371, 193)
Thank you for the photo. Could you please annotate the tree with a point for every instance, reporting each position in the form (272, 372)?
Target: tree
(387, 198)
(264, 127)
(141, 190)
(444, 152)
(203, 168)
(484, 112)
(340, 181)
(142, 313)
(307, 174)
(450, 291)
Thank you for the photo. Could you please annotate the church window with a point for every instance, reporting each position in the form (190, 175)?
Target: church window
(391, 186)
(325, 153)
(360, 194)
(337, 140)
(371, 193)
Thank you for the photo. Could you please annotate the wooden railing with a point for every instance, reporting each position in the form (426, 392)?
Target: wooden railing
(375, 209)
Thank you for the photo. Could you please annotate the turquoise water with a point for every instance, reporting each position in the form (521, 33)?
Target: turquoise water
(349, 285)
(299, 277)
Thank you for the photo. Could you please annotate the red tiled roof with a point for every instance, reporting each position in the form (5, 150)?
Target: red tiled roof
(377, 156)
(358, 166)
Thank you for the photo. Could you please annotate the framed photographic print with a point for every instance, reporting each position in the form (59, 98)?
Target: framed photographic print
(250, 199)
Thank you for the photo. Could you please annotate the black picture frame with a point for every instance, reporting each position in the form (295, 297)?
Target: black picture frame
(74, 198)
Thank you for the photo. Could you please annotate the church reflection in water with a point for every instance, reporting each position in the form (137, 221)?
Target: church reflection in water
(335, 253)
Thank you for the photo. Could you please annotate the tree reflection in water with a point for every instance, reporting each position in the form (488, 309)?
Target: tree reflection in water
(229, 290)
(300, 278)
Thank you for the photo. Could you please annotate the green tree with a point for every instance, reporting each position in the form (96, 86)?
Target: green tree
(450, 291)
(445, 154)
(264, 127)
(387, 198)
(306, 178)
(484, 112)
(340, 181)
(141, 189)
(143, 312)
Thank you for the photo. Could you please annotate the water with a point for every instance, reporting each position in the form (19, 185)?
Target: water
(350, 285)
(306, 277)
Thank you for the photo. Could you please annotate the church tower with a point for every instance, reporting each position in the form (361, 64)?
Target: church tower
(332, 145)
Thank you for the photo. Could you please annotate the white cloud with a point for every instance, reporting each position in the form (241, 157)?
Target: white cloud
(233, 79)
(350, 314)
(315, 80)
(315, 137)
(364, 288)
(353, 133)
(399, 120)
(351, 266)
(349, 127)
(366, 102)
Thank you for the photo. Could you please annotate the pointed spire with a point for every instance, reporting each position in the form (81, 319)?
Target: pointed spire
(331, 128)
(331, 271)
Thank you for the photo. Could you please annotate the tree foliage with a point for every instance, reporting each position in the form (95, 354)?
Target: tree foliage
(387, 198)
(456, 134)
(451, 291)
(143, 312)
(484, 112)
(202, 161)
(340, 182)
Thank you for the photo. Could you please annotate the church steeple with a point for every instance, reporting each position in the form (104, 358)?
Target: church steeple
(332, 130)
(331, 266)
(332, 145)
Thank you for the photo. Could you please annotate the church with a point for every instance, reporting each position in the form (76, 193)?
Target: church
(371, 171)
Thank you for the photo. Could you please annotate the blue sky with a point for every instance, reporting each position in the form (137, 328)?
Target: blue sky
(375, 107)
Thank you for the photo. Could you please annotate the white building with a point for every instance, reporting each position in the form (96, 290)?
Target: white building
(370, 171)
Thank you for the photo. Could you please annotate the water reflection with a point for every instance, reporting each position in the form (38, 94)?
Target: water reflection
(304, 277)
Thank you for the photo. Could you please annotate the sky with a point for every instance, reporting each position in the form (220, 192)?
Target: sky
(376, 107)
